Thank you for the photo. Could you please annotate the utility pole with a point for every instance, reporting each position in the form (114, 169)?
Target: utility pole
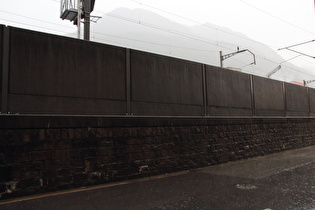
(79, 19)
(83, 9)
(87, 13)
(221, 59)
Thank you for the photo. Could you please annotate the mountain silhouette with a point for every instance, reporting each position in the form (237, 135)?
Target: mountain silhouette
(144, 30)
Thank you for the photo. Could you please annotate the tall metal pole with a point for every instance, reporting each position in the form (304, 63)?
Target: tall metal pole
(79, 19)
(87, 12)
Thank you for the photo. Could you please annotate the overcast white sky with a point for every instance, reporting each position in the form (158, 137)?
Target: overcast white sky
(277, 23)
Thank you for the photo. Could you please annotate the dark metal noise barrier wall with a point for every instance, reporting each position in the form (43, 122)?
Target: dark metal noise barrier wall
(48, 74)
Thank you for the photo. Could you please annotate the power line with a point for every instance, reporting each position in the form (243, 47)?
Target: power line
(185, 35)
(154, 43)
(152, 26)
(284, 21)
(142, 48)
(94, 32)
(11, 13)
(289, 67)
(162, 29)
(35, 26)
(165, 30)
(167, 12)
(196, 22)
(163, 45)
(220, 29)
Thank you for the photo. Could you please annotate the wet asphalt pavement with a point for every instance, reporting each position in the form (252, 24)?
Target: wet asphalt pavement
(284, 180)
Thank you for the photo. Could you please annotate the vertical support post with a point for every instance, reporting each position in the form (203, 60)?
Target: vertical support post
(79, 19)
(309, 101)
(5, 70)
(128, 83)
(221, 59)
(62, 5)
(285, 99)
(87, 12)
(252, 90)
(204, 86)
(87, 27)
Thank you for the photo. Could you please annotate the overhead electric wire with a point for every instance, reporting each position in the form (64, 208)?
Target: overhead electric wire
(154, 43)
(135, 47)
(185, 18)
(196, 22)
(31, 18)
(190, 36)
(289, 67)
(174, 31)
(35, 26)
(163, 29)
(226, 31)
(94, 32)
(310, 32)
(297, 44)
(304, 59)
(170, 31)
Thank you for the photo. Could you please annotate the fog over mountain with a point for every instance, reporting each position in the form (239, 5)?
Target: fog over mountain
(144, 30)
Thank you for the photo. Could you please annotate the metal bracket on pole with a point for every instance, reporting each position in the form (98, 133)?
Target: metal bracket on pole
(279, 67)
(94, 19)
(288, 48)
(274, 71)
(224, 57)
(305, 82)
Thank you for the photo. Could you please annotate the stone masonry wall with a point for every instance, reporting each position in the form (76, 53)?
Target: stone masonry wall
(48, 159)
